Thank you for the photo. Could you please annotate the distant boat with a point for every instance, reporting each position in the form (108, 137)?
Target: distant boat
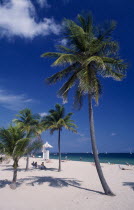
(106, 153)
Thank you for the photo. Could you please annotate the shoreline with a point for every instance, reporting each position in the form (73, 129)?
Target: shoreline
(111, 163)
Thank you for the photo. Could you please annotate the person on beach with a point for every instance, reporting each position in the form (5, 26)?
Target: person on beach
(42, 166)
(35, 165)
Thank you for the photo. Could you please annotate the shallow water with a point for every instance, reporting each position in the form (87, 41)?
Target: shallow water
(117, 158)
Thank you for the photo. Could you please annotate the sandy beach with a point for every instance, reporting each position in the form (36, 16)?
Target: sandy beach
(76, 187)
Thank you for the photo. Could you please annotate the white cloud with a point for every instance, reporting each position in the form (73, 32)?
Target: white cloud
(19, 18)
(43, 114)
(113, 134)
(63, 42)
(43, 3)
(12, 101)
(80, 134)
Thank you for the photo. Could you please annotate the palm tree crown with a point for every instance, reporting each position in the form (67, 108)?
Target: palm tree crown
(14, 141)
(91, 53)
(57, 120)
(28, 121)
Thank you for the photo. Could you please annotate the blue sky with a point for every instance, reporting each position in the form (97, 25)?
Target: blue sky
(29, 28)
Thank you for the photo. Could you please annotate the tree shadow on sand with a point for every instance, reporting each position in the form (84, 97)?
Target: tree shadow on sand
(131, 184)
(19, 169)
(51, 169)
(10, 168)
(3, 183)
(59, 183)
(53, 182)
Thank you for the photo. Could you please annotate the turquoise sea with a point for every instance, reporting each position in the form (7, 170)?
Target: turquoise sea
(117, 158)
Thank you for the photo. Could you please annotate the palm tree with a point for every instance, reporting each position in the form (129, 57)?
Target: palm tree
(90, 54)
(14, 142)
(29, 123)
(56, 121)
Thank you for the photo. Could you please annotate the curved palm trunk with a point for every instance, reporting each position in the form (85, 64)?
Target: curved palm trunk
(95, 151)
(27, 162)
(59, 150)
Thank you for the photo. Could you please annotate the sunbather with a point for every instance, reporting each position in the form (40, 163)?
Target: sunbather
(42, 166)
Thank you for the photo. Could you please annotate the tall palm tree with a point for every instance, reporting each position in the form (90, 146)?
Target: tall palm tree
(14, 142)
(56, 121)
(89, 55)
(30, 123)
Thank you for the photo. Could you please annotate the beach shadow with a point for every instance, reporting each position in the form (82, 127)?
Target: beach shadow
(53, 182)
(83, 188)
(19, 169)
(3, 183)
(51, 169)
(59, 183)
(131, 184)
(10, 168)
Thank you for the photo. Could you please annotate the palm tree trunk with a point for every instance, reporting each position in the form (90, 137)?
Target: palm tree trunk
(95, 151)
(27, 162)
(59, 150)
(15, 165)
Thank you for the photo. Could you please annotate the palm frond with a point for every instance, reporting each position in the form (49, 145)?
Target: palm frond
(65, 59)
(75, 35)
(106, 31)
(95, 59)
(20, 147)
(78, 99)
(86, 23)
(65, 49)
(51, 54)
(66, 87)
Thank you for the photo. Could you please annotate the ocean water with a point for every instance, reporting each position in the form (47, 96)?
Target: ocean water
(117, 158)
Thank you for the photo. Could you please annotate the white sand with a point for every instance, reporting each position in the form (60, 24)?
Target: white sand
(76, 187)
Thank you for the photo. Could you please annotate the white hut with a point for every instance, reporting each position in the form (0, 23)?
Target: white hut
(45, 151)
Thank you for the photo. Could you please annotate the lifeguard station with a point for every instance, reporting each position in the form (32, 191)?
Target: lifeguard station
(45, 151)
